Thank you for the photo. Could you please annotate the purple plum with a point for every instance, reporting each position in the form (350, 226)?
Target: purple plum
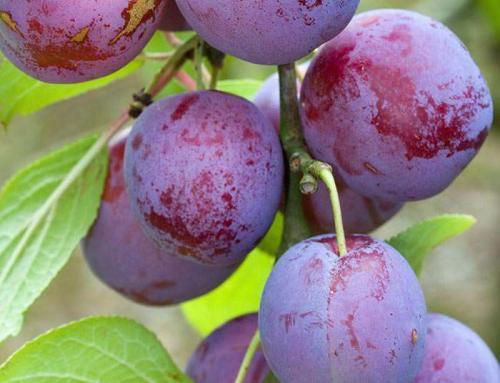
(356, 318)
(268, 32)
(123, 257)
(218, 358)
(456, 354)
(55, 41)
(205, 175)
(397, 105)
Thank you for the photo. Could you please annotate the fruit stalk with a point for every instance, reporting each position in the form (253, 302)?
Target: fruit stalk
(169, 70)
(295, 226)
(252, 349)
(324, 173)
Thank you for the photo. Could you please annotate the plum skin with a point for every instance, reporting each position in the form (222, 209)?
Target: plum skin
(57, 43)
(205, 175)
(121, 255)
(396, 104)
(268, 32)
(172, 19)
(455, 353)
(361, 214)
(218, 358)
(359, 318)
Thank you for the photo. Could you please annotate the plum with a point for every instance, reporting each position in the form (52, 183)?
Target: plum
(455, 353)
(205, 175)
(172, 19)
(58, 42)
(356, 318)
(218, 358)
(121, 255)
(268, 32)
(396, 104)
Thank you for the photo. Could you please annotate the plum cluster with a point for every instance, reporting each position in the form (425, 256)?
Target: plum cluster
(392, 101)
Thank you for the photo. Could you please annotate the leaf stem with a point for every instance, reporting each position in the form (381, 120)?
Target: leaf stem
(247, 360)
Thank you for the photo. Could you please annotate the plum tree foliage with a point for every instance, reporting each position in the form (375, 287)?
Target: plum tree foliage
(390, 109)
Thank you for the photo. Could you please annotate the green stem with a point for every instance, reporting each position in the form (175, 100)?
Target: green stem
(176, 60)
(326, 175)
(198, 64)
(295, 226)
(214, 78)
(247, 360)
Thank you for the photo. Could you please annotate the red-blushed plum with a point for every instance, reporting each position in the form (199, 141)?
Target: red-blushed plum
(57, 42)
(358, 318)
(172, 19)
(123, 257)
(454, 353)
(360, 214)
(218, 358)
(268, 32)
(205, 175)
(396, 104)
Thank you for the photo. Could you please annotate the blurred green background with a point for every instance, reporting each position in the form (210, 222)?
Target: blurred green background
(461, 279)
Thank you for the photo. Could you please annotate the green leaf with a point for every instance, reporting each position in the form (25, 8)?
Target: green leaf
(21, 94)
(418, 241)
(239, 295)
(243, 88)
(45, 210)
(271, 242)
(94, 350)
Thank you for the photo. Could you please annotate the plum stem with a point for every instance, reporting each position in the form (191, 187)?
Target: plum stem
(296, 228)
(185, 79)
(324, 172)
(292, 137)
(247, 360)
(156, 56)
(199, 53)
(172, 65)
